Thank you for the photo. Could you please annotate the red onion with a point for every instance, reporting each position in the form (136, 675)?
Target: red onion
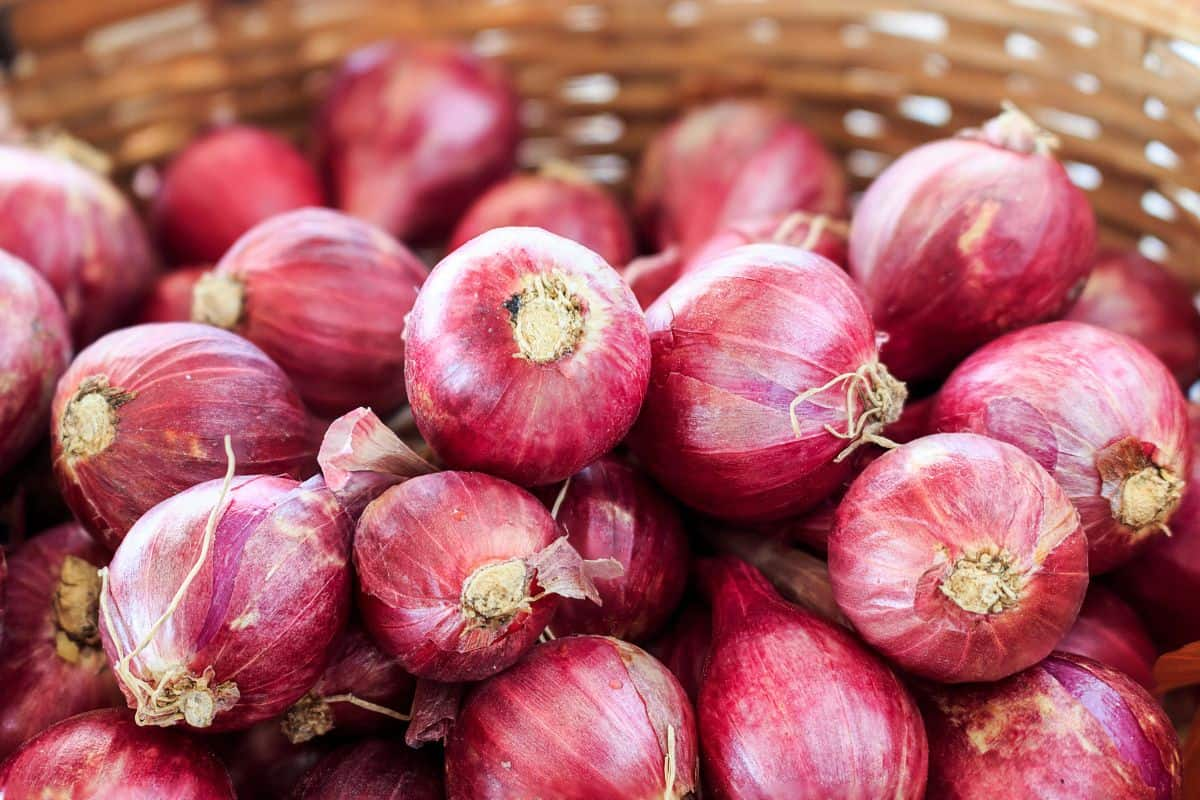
(580, 718)
(373, 769)
(819, 233)
(683, 646)
(765, 378)
(1132, 295)
(1065, 729)
(434, 711)
(410, 133)
(561, 199)
(103, 755)
(263, 764)
(75, 228)
(35, 347)
(611, 510)
(792, 706)
(139, 416)
(964, 239)
(959, 558)
(170, 299)
(526, 357)
(51, 664)
(728, 161)
(650, 276)
(221, 606)
(223, 184)
(460, 572)
(325, 296)
(1097, 410)
(1110, 632)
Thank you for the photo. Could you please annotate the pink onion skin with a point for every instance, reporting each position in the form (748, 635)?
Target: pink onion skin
(75, 228)
(727, 161)
(103, 755)
(580, 718)
(325, 296)
(1076, 397)
(263, 764)
(683, 646)
(611, 510)
(536, 410)
(733, 346)
(266, 606)
(571, 207)
(35, 347)
(770, 729)
(410, 133)
(1003, 235)
(174, 391)
(223, 184)
(1064, 729)
(1110, 632)
(650, 276)
(1133, 295)
(170, 298)
(916, 533)
(373, 769)
(43, 687)
(829, 237)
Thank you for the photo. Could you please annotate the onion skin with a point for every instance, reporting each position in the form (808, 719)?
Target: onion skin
(170, 298)
(992, 221)
(373, 769)
(1133, 295)
(914, 549)
(325, 296)
(410, 133)
(35, 347)
(734, 347)
(1097, 410)
(45, 683)
(223, 184)
(580, 718)
(1067, 728)
(728, 161)
(103, 755)
(527, 357)
(769, 730)
(172, 392)
(819, 233)
(650, 276)
(75, 228)
(1110, 632)
(259, 620)
(263, 764)
(683, 646)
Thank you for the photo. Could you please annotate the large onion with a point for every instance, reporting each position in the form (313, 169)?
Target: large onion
(819, 233)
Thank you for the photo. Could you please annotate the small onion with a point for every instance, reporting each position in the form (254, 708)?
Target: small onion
(1097, 410)
(580, 718)
(411, 133)
(223, 184)
(325, 296)
(1065, 729)
(170, 298)
(373, 769)
(963, 239)
(1110, 632)
(139, 416)
(819, 233)
(35, 347)
(650, 276)
(765, 378)
(959, 558)
(526, 357)
(683, 646)
(263, 764)
(793, 706)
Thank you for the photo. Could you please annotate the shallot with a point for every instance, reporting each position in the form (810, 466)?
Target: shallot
(1110, 632)
(170, 298)
(373, 769)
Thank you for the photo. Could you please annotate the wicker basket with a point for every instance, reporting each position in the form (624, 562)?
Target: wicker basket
(1117, 80)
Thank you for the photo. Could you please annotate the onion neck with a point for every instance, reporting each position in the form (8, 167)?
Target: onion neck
(309, 718)
(494, 594)
(547, 318)
(183, 695)
(559, 170)
(218, 300)
(89, 422)
(76, 607)
(1014, 130)
(1148, 497)
(983, 583)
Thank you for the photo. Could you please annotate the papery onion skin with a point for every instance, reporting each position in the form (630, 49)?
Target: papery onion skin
(580, 718)
(373, 769)
(1065, 729)
(1093, 407)
(772, 727)
(325, 296)
(683, 646)
(1133, 295)
(223, 184)
(526, 357)
(410, 133)
(142, 414)
(170, 298)
(727, 161)
(263, 764)
(46, 680)
(818, 233)
(1110, 632)
(734, 348)
(962, 240)
(959, 558)
(650, 276)
(35, 347)
(262, 615)
(103, 755)
(75, 228)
